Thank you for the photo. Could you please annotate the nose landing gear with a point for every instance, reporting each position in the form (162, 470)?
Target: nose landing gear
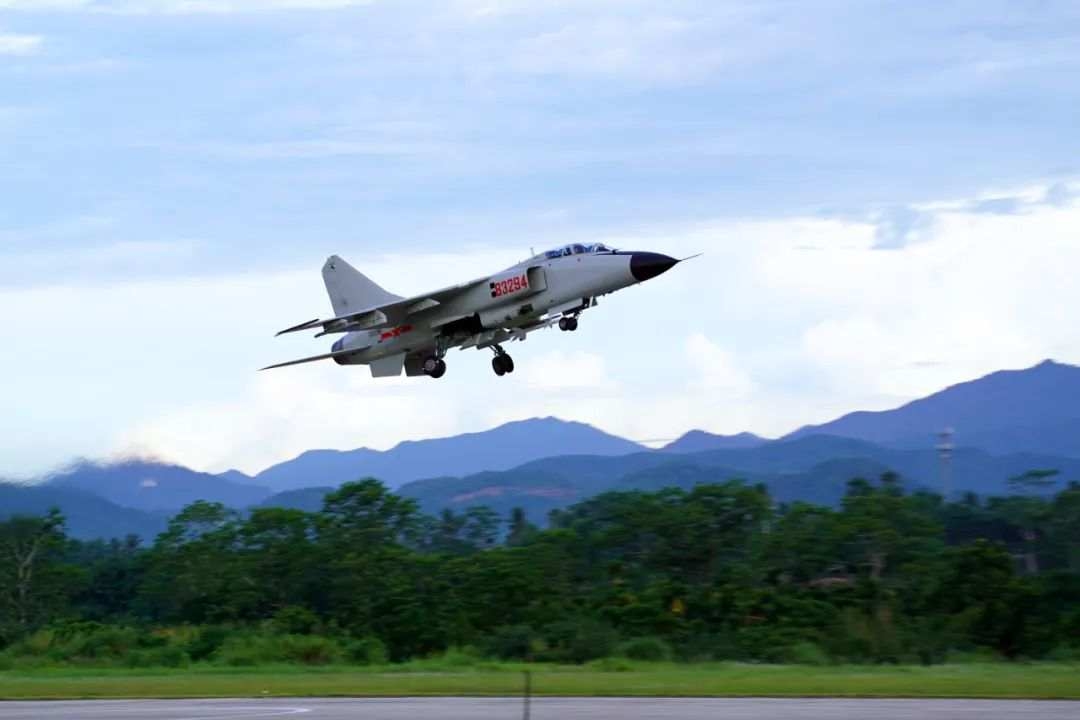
(568, 324)
(502, 363)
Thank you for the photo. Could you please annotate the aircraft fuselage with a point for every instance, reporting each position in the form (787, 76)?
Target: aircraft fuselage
(514, 299)
(389, 332)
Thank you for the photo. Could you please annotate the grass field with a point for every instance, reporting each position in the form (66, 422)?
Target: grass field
(617, 678)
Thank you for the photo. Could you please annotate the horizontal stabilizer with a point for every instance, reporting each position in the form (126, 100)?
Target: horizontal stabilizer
(309, 325)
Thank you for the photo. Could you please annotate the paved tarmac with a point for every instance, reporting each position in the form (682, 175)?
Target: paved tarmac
(541, 709)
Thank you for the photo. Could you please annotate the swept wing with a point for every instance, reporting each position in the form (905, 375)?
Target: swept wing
(313, 358)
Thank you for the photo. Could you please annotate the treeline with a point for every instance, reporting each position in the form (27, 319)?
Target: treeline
(717, 572)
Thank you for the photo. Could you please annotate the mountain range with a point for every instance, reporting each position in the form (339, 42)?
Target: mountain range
(146, 485)
(700, 441)
(1006, 423)
(501, 448)
(88, 515)
(1035, 410)
(814, 468)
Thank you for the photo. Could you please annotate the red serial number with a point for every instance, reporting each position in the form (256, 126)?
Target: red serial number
(395, 332)
(510, 285)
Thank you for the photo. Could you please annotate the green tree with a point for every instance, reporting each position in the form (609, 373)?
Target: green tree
(481, 528)
(278, 555)
(115, 570)
(521, 530)
(880, 528)
(192, 573)
(365, 513)
(803, 544)
(35, 585)
(1063, 526)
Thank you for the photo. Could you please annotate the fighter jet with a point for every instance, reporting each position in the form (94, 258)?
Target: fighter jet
(389, 333)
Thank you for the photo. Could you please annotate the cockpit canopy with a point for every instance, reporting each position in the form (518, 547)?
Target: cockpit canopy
(578, 249)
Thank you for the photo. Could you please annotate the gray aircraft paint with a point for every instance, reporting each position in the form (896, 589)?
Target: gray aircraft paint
(390, 333)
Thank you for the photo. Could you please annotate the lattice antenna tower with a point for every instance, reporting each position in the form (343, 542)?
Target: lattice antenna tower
(945, 448)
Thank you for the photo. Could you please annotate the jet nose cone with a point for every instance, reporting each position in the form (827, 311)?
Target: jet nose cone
(645, 265)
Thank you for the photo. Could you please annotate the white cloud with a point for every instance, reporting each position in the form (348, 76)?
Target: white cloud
(496, 8)
(606, 47)
(179, 7)
(641, 42)
(987, 291)
(167, 367)
(900, 226)
(279, 415)
(15, 44)
(43, 4)
(575, 371)
(44, 263)
(716, 367)
(323, 148)
(760, 334)
(225, 6)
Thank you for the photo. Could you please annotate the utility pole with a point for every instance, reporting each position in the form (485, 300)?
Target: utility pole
(945, 449)
(527, 710)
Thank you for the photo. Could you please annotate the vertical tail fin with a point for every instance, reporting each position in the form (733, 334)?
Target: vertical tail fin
(350, 290)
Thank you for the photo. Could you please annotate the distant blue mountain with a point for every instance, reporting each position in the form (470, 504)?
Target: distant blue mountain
(306, 499)
(814, 469)
(700, 441)
(972, 469)
(1006, 424)
(236, 476)
(1036, 410)
(501, 448)
(146, 485)
(88, 516)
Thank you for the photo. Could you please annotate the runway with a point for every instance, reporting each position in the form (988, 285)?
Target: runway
(541, 709)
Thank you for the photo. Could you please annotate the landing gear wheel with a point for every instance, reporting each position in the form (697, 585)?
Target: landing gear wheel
(571, 324)
(502, 364)
(434, 367)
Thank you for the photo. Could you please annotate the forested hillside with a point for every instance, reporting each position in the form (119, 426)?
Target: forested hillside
(719, 571)
(1005, 423)
(86, 515)
(812, 469)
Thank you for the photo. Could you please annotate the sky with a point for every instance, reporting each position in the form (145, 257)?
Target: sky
(887, 196)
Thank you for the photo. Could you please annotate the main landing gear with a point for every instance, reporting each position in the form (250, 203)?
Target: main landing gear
(568, 324)
(434, 367)
(502, 363)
